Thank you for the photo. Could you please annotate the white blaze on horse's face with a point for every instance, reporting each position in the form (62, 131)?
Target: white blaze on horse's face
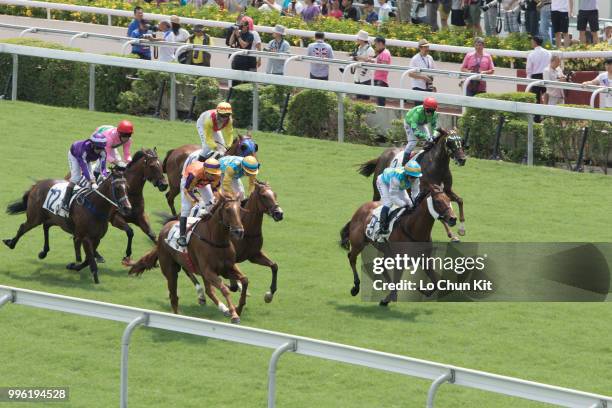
(432, 211)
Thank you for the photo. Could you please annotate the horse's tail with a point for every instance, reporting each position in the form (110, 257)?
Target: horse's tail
(18, 206)
(166, 160)
(345, 242)
(149, 261)
(367, 169)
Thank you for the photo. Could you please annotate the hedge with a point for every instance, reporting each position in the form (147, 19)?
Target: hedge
(390, 30)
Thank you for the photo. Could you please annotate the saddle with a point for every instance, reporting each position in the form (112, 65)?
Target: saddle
(55, 197)
(373, 227)
(174, 234)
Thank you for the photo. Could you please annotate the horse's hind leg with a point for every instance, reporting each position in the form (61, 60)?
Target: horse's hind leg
(356, 248)
(170, 195)
(23, 228)
(43, 254)
(170, 269)
(90, 256)
(236, 274)
(120, 223)
(261, 259)
(211, 294)
(198, 287)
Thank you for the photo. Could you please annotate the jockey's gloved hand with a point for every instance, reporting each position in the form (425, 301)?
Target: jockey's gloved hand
(93, 185)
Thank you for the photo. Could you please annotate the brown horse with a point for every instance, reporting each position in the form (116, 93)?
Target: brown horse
(175, 159)
(434, 164)
(262, 201)
(145, 166)
(414, 226)
(210, 254)
(88, 221)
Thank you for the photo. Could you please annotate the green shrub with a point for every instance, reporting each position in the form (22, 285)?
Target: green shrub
(313, 113)
(144, 94)
(207, 93)
(356, 128)
(242, 105)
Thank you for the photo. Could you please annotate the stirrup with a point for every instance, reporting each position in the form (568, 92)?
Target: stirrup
(182, 241)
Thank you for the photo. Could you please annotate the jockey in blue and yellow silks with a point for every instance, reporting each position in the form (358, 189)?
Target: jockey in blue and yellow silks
(392, 184)
(233, 168)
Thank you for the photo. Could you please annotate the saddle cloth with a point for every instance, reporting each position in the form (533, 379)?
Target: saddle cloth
(397, 159)
(55, 197)
(193, 156)
(373, 227)
(174, 234)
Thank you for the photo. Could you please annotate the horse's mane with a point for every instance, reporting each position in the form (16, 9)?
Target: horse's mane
(139, 155)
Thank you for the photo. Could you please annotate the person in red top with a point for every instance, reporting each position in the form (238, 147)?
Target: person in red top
(199, 177)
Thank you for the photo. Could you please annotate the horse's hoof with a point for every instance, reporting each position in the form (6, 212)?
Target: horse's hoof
(234, 288)
(202, 301)
(383, 303)
(127, 261)
(235, 320)
(268, 297)
(354, 291)
(228, 314)
(95, 278)
(461, 231)
(455, 239)
(9, 243)
(100, 259)
(42, 255)
(71, 266)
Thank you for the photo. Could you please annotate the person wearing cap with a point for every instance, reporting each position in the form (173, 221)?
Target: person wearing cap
(363, 53)
(607, 33)
(233, 168)
(199, 37)
(370, 15)
(141, 50)
(178, 34)
(420, 123)
(604, 79)
(422, 81)
(216, 130)
(280, 45)
(478, 62)
(537, 61)
(116, 137)
(319, 49)
(202, 179)
(381, 76)
(243, 39)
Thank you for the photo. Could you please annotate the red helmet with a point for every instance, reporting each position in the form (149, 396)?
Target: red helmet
(430, 103)
(125, 127)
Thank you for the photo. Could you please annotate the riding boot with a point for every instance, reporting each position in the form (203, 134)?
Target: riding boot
(182, 240)
(384, 220)
(67, 197)
(406, 157)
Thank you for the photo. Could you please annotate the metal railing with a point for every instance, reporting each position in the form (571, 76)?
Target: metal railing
(290, 31)
(282, 343)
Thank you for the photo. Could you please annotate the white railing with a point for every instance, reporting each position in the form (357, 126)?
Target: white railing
(340, 88)
(290, 31)
(281, 343)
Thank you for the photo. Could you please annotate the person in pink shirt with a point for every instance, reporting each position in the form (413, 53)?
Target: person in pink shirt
(478, 62)
(116, 137)
(383, 56)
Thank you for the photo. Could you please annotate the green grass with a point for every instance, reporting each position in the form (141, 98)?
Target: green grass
(566, 344)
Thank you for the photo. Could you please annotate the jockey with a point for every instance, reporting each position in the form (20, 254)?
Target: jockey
(235, 167)
(203, 178)
(80, 156)
(116, 137)
(415, 124)
(392, 184)
(216, 131)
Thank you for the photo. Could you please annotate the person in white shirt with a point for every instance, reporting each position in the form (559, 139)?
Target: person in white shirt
(164, 54)
(604, 79)
(383, 11)
(553, 72)
(363, 53)
(537, 61)
(607, 33)
(560, 12)
(422, 81)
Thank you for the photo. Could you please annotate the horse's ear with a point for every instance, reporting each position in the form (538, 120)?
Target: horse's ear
(155, 149)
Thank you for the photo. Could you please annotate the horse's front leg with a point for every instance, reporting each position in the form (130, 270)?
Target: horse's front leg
(449, 232)
(120, 223)
(90, 255)
(454, 197)
(261, 259)
(144, 224)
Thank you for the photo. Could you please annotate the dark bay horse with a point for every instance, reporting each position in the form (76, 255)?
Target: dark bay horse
(175, 159)
(88, 221)
(210, 253)
(145, 166)
(415, 226)
(434, 164)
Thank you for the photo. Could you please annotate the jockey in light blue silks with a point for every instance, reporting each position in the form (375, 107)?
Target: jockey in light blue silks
(392, 184)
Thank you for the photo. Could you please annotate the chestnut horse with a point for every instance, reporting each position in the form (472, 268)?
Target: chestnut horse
(210, 254)
(434, 164)
(412, 226)
(88, 221)
(175, 159)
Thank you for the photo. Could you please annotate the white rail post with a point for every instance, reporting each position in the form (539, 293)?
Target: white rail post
(110, 20)
(340, 117)
(466, 83)
(403, 79)
(289, 346)
(48, 14)
(172, 96)
(125, 347)
(92, 87)
(594, 95)
(180, 50)
(288, 60)
(431, 394)
(26, 31)
(127, 44)
(255, 116)
(74, 37)
(347, 69)
(14, 79)
(530, 140)
(532, 84)
(5, 299)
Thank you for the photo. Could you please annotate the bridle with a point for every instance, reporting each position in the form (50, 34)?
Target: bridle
(154, 160)
(118, 203)
(431, 204)
(231, 228)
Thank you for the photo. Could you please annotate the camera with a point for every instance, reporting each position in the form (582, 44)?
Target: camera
(490, 3)
(154, 28)
(569, 75)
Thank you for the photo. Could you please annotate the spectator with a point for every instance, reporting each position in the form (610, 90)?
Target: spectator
(490, 18)
(607, 34)
(473, 15)
(604, 79)
(310, 12)
(325, 8)
(335, 9)
(236, 6)
(404, 10)
(383, 11)
(142, 51)
(512, 14)
(280, 45)
(199, 37)
(560, 11)
(478, 61)
(242, 38)
(432, 13)
(292, 8)
(371, 16)
(178, 34)
(319, 49)
(363, 53)
(588, 13)
(350, 11)
(270, 5)
(138, 17)
(256, 45)
(445, 11)
(165, 54)
(537, 61)
(545, 19)
(531, 17)
(553, 72)
(457, 13)
(383, 56)
(422, 81)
